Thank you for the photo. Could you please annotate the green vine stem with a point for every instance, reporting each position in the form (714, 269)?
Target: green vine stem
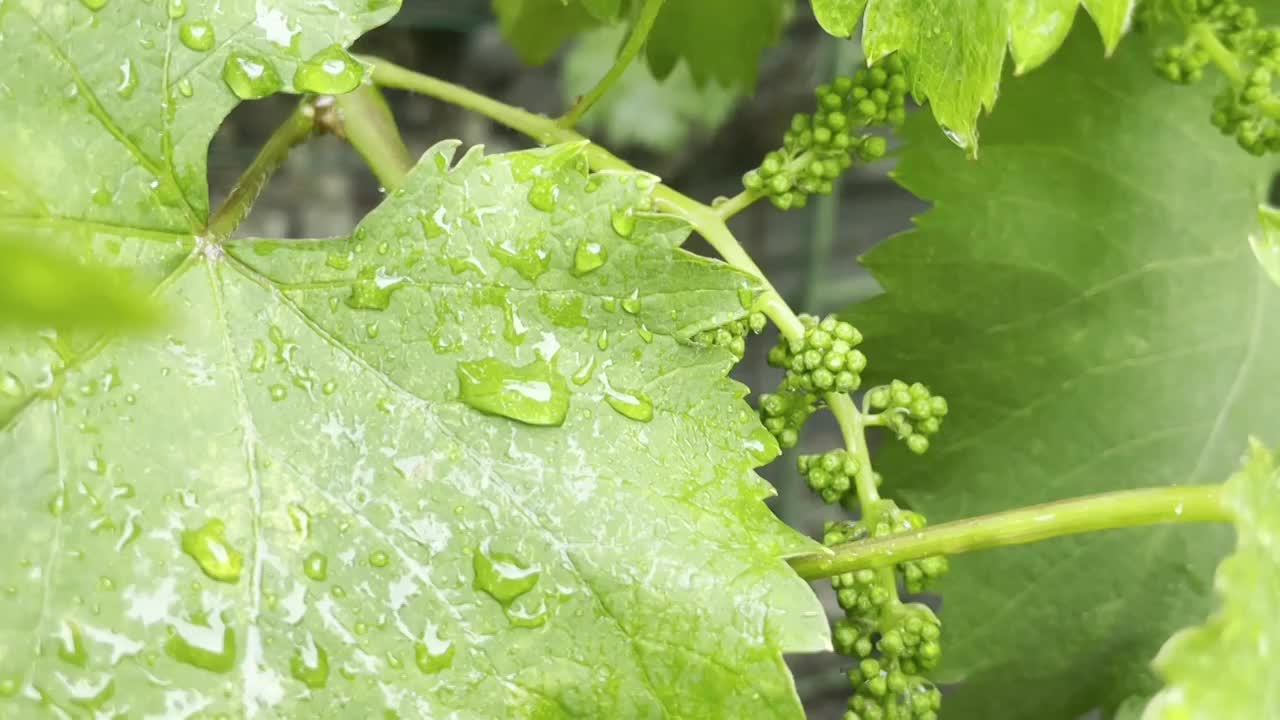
(293, 132)
(1107, 511)
(635, 42)
(366, 122)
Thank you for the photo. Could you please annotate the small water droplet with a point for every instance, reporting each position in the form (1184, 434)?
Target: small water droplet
(278, 392)
(316, 567)
(645, 333)
(544, 194)
(602, 341)
(379, 559)
(503, 576)
(583, 374)
(198, 35)
(94, 5)
(634, 405)
(208, 546)
(128, 79)
(373, 287)
(250, 76)
(208, 646)
(301, 521)
(535, 393)
(185, 87)
(11, 386)
(329, 388)
(589, 256)
(631, 304)
(177, 8)
(434, 653)
(310, 665)
(624, 221)
(331, 71)
(526, 617)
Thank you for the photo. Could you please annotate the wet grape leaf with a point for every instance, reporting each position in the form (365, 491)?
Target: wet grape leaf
(956, 48)
(1221, 670)
(465, 460)
(1082, 295)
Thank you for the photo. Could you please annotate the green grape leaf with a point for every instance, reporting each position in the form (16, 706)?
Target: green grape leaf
(1266, 242)
(1221, 670)
(661, 116)
(537, 28)
(1082, 295)
(719, 40)
(467, 460)
(41, 288)
(955, 48)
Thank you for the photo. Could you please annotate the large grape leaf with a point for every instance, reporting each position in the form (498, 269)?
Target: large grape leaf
(719, 40)
(1083, 295)
(956, 48)
(1223, 670)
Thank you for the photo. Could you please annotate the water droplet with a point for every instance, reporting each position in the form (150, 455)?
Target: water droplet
(631, 304)
(128, 79)
(379, 559)
(371, 330)
(372, 289)
(316, 567)
(208, 646)
(434, 653)
(543, 195)
(185, 87)
(310, 665)
(199, 36)
(177, 8)
(502, 576)
(9, 686)
(209, 548)
(589, 256)
(94, 5)
(583, 374)
(535, 393)
(634, 405)
(301, 521)
(250, 76)
(645, 333)
(71, 648)
(329, 388)
(956, 138)
(278, 392)
(531, 258)
(746, 298)
(525, 617)
(602, 341)
(11, 386)
(331, 71)
(624, 222)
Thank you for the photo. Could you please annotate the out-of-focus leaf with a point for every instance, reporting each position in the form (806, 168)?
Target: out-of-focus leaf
(43, 288)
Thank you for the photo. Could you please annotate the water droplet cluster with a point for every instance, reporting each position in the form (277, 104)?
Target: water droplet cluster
(821, 145)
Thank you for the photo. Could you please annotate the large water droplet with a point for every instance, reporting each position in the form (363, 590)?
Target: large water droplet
(372, 289)
(310, 665)
(128, 79)
(209, 548)
(503, 576)
(634, 405)
(197, 35)
(623, 221)
(331, 71)
(208, 646)
(535, 393)
(316, 567)
(589, 256)
(543, 195)
(531, 258)
(434, 653)
(250, 76)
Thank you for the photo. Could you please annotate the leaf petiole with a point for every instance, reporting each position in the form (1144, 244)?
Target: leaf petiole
(635, 42)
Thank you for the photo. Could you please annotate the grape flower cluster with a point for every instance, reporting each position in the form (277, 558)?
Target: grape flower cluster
(825, 359)
(819, 146)
(1228, 34)
(733, 335)
(910, 411)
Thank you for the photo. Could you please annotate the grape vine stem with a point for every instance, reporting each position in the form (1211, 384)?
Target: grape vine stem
(635, 42)
(366, 122)
(1107, 511)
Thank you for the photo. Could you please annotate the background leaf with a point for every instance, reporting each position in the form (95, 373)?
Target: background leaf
(955, 48)
(660, 116)
(1220, 670)
(1081, 296)
(450, 464)
(1266, 242)
(40, 289)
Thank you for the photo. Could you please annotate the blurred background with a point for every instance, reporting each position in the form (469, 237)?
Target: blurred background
(699, 140)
